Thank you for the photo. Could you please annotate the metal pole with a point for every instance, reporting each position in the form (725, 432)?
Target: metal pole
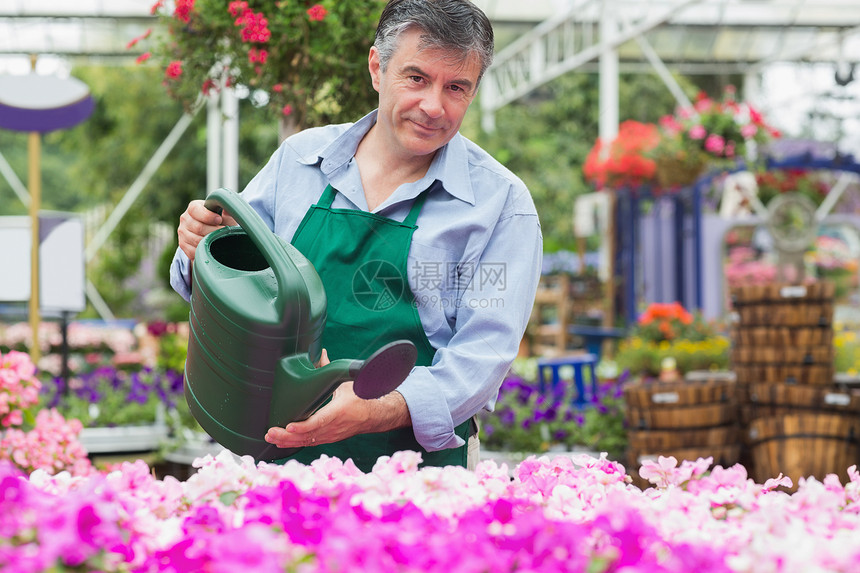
(138, 185)
(213, 142)
(680, 239)
(34, 180)
(230, 140)
(608, 116)
(11, 178)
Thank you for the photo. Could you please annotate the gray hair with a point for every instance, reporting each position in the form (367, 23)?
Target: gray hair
(454, 26)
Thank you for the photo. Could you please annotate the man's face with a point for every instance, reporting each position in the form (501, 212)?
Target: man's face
(423, 95)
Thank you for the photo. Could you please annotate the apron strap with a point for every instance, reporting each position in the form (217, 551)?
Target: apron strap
(415, 210)
(327, 197)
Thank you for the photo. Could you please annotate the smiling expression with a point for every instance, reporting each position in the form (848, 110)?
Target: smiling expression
(423, 95)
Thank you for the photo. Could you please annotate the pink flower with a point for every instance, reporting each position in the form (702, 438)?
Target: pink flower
(698, 131)
(715, 144)
(660, 472)
(774, 483)
(317, 13)
(670, 124)
(174, 69)
(156, 6)
(749, 130)
(287, 109)
(278, 88)
(52, 445)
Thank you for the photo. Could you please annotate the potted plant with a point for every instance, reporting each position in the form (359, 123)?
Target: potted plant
(667, 332)
(713, 133)
(623, 162)
(304, 61)
(812, 184)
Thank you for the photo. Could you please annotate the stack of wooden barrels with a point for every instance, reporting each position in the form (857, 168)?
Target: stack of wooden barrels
(689, 419)
(796, 420)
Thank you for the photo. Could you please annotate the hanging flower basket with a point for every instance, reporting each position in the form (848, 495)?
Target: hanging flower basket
(674, 171)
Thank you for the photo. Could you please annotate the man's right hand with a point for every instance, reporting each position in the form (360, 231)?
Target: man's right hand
(195, 223)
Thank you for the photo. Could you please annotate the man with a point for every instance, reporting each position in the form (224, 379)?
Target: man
(415, 232)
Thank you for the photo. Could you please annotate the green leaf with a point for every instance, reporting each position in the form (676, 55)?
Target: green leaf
(228, 497)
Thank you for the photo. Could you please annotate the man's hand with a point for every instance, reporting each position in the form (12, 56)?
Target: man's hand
(195, 223)
(346, 415)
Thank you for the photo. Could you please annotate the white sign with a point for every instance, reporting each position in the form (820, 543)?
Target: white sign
(61, 261)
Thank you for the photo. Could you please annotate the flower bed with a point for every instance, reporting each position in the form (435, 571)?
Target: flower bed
(33, 441)
(554, 515)
(526, 420)
(122, 393)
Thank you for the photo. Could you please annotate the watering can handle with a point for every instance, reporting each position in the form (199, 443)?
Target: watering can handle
(263, 237)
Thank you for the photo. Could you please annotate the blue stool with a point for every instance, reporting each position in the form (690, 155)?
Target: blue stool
(548, 371)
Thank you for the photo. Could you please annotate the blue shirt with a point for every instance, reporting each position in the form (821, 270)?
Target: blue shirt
(473, 266)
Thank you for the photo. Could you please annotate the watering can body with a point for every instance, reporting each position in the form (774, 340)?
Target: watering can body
(255, 299)
(258, 311)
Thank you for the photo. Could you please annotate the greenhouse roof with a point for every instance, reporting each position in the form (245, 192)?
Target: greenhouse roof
(701, 35)
(536, 39)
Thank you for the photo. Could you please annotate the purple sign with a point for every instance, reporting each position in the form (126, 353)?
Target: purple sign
(39, 103)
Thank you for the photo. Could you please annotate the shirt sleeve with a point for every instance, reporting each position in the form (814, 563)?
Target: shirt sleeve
(180, 274)
(493, 310)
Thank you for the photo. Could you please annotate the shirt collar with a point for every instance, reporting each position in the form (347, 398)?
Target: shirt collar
(450, 166)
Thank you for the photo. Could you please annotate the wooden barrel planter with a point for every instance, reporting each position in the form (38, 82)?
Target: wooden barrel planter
(808, 374)
(804, 445)
(782, 292)
(687, 420)
(781, 399)
(680, 405)
(783, 333)
(781, 336)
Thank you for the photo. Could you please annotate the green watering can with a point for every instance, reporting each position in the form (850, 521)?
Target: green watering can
(258, 309)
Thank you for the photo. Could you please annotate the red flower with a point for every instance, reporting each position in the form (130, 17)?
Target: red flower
(208, 86)
(317, 13)
(183, 10)
(623, 162)
(142, 58)
(237, 8)
(256, 27)
(255, 56)
(287, 110)
(134, 41)
(156, 6)
(174, 69)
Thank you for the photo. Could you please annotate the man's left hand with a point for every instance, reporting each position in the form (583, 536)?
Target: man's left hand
(346, 415)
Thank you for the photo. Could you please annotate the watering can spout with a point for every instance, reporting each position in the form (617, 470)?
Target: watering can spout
(300, 387)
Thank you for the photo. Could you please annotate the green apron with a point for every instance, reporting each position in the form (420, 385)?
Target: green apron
(361, 259)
